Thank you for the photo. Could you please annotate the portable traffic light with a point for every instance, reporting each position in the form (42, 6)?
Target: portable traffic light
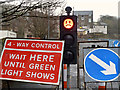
(68, 32)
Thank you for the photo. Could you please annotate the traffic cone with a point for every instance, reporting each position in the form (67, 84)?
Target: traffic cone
(102, 86)
(65, 75)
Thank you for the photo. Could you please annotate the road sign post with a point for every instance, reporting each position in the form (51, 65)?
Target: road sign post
(36, 61)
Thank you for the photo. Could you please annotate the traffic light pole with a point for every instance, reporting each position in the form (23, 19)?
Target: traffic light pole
(68, 76)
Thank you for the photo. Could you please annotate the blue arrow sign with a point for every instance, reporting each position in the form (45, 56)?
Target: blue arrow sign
(115, 43)
(102, 64)
(118, 44)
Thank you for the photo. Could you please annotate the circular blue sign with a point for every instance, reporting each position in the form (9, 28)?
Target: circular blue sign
(115, 43)
(118, 44)
(102, 64)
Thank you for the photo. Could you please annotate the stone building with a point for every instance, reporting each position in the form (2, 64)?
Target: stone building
(85, 19)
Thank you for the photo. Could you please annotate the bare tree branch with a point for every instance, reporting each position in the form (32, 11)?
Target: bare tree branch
(21, 10)
(32, 17)
(6, 13)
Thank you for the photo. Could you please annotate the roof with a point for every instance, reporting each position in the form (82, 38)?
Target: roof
(82, 30)
(83, 12)
(100, 23)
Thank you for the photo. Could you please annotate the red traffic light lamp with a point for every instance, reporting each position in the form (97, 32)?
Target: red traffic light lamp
(68, 23)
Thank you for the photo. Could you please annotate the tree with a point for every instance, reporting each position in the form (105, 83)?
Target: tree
(31, 17)
(119, 26)
(112, 23)
(12, 11)
(36, 25)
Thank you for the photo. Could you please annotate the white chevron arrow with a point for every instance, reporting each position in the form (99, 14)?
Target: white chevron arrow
(109, 70)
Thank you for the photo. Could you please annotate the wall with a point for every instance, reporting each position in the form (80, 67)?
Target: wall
(99, 29)
(6, 33)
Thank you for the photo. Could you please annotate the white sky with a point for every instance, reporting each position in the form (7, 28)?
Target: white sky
(99, 7)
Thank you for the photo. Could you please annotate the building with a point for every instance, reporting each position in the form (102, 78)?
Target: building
(82, 32)
(85, 19)
(6, 33)
(99, 28)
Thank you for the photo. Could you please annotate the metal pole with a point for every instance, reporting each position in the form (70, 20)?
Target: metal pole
(78, 70)
(105, 85)
(1, 40)
(0, 17)
(68, 76)
(78, 76)
(84, 79)
(48, 26)
(48, 21)
(8, 85)
(84, 85)
(62, 76)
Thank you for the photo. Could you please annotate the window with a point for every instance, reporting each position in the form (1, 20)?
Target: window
(78, 20)
(89, 14)
(89, 20)
(82, 18)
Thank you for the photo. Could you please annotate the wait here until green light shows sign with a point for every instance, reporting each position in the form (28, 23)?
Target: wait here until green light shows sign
(28, 60)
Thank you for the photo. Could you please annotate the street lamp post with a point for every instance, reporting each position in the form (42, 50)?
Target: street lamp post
(1, 15)
(48, 20)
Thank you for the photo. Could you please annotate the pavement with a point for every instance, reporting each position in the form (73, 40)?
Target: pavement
(13, 85)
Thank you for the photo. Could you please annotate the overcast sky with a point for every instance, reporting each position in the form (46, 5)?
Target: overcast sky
(99, 7)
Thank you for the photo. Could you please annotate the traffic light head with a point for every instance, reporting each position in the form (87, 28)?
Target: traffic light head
(68, 32)
(68, 23)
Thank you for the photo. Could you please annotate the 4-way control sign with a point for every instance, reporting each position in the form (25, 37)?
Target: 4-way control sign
(102, 64)
(32, 60)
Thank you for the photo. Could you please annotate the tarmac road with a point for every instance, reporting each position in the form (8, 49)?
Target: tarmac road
(13, 85)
